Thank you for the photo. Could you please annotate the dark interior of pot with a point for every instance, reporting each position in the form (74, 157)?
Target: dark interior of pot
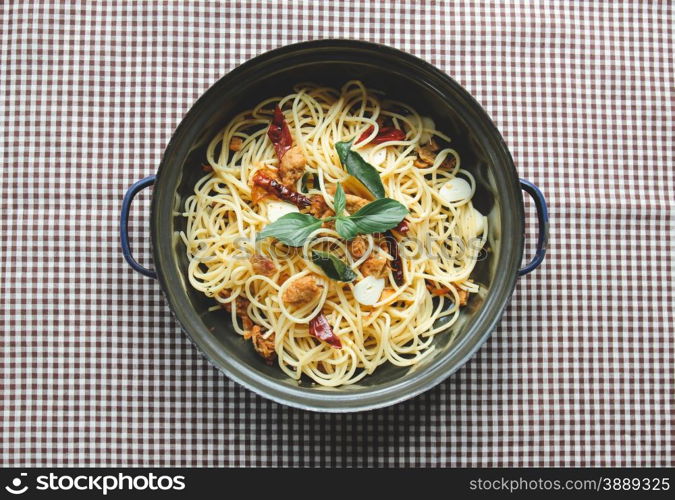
(404, 80)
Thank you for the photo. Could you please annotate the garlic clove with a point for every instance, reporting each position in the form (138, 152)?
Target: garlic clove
(378, 157)
(277, 209)
(427, 124)
(368, 290)
(455, 190)
(479, 222)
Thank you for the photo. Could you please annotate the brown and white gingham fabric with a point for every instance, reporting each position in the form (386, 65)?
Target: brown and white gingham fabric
(96, 372)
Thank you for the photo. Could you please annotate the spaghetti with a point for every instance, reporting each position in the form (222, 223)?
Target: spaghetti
(277, 294)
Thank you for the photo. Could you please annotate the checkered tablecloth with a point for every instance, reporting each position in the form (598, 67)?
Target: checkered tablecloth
(96, 372)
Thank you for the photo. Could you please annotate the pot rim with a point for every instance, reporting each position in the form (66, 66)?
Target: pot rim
(411, 384)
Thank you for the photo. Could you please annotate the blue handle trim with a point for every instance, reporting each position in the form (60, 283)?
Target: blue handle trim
(124, 225)
(542, 215)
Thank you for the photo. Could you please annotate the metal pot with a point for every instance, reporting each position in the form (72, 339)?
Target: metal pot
(402, 76)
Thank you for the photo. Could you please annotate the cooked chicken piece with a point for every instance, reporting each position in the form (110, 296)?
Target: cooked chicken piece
(386, 293)
(463, 294)
(318, 206)
(426, 155)
(358, 247)
(242, 312)
(225, 294)
(325, 215)
(263, 346)
(432, 145)
(242, 304)
(235, 143)
(374, 266)
(302, 291)
(246, 322)
(292, 166)
(449, 163)
(355, 203)
(262, 265)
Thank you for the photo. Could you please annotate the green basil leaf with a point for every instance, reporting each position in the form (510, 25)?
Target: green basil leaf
(340, 200)
(346, 227)
(376, 217)
(360, 168)
(332, 266)
(305, 182)
(379, 216)
(292, 229)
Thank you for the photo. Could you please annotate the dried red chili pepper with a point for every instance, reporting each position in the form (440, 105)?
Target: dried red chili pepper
(403, 227)
(396, 264)
(271, 185)
(365, 135)
(319, 328)
(279, 133)
(385, 134)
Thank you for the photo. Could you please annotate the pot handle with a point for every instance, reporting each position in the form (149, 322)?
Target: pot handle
(133, 190)
(542, 215)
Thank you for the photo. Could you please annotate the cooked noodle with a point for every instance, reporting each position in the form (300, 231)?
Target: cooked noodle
(222, 223)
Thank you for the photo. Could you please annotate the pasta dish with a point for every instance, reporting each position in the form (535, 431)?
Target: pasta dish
(337, 228)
